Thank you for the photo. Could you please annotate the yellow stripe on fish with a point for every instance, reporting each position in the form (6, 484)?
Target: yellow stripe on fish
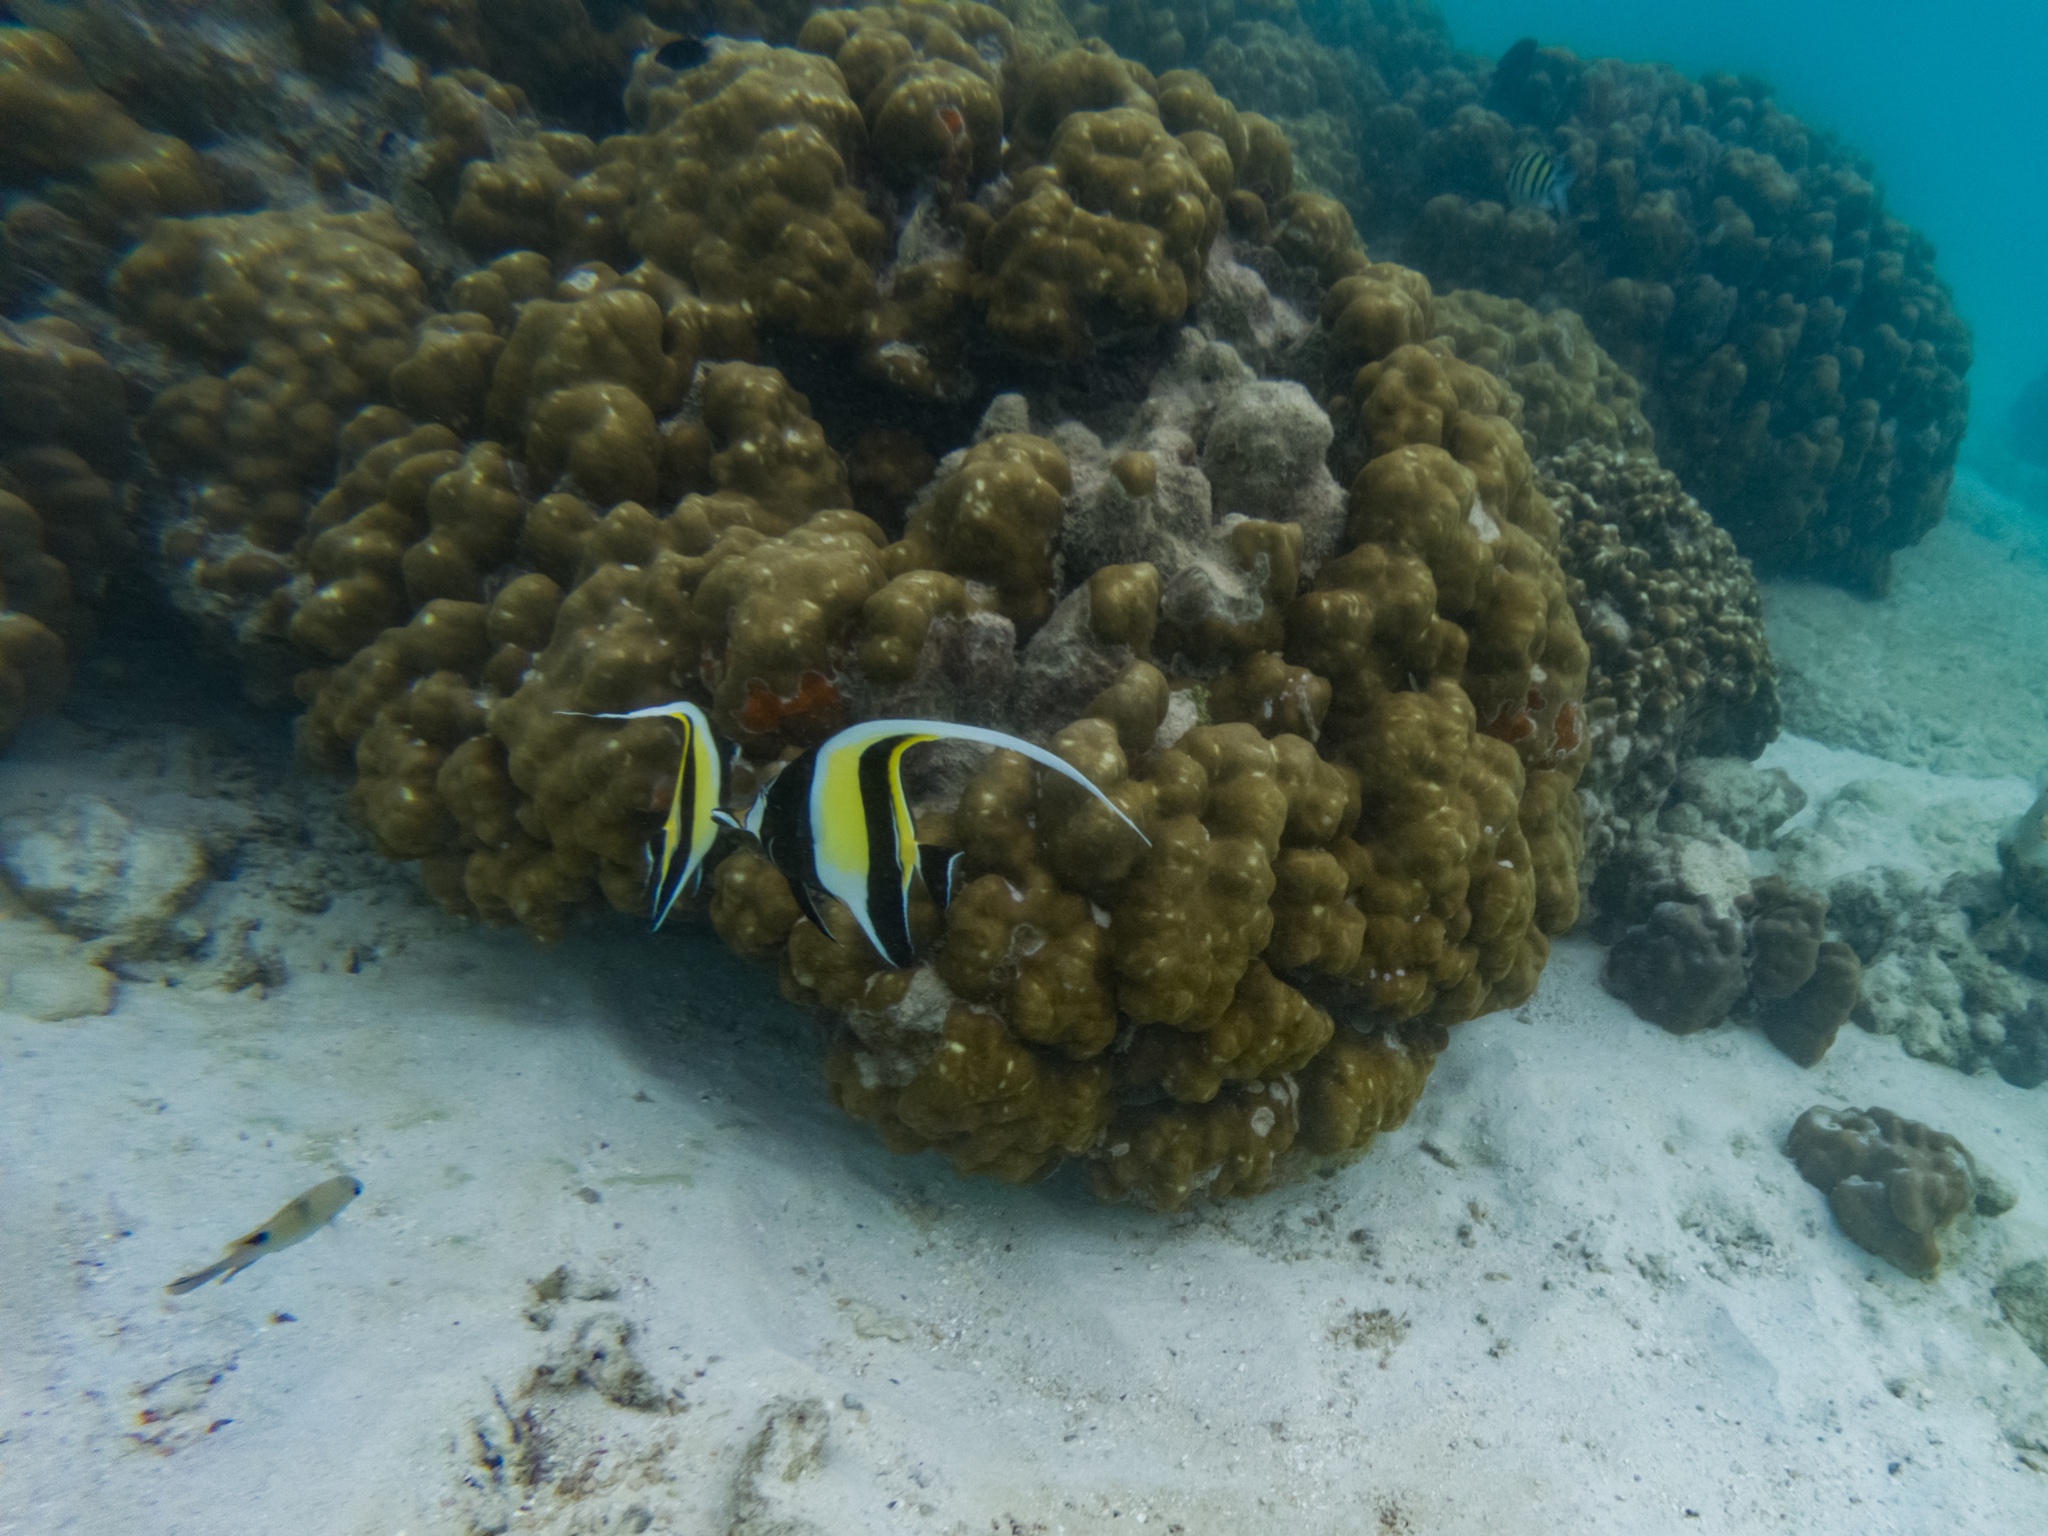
(836, 823)
(1539, 181)
(695, 813)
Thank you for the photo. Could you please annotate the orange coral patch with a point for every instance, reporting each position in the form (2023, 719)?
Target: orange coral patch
(816, 703)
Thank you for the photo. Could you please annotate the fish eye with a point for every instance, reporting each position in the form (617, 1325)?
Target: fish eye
(260, 1237)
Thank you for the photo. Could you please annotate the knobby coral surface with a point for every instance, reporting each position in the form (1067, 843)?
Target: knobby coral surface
(610, 457)
(1681, 665)
(65, 450)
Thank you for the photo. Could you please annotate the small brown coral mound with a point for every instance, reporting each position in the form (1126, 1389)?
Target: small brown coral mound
(1681, 968)
(1571, 391)
(1685, 965)
(1805, 984)
(1892, 1183)
(1681, 667)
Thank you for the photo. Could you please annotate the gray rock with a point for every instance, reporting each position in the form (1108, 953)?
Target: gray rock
(49, 976)
(98, 875)
(1732, 796)
(2022, 1293)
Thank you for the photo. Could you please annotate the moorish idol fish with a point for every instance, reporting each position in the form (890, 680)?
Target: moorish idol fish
(292, 1223)
(836, 823)
(1538, 181)
(695, 812)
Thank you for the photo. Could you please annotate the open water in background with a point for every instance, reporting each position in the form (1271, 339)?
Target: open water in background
(1949, 100)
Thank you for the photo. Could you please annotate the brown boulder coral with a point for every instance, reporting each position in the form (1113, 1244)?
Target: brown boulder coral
(1349, 724)
(65, 449)
(1571, 391)
(1892, 1183)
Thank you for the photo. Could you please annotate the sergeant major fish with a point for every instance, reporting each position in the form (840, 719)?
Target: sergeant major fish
(294, 1222)
(695, 812)
(836, 823)
(1539, 181)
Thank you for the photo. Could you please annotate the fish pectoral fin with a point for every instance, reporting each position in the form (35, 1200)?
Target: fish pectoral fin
(807, 903)
(940, 869)
(726, 818)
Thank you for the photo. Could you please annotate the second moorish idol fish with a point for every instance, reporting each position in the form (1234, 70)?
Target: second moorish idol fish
(695, 812)
(292, 1223)
(836, 823)
(1539, 181)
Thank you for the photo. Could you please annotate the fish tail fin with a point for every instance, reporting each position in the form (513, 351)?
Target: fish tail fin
(192, 1282)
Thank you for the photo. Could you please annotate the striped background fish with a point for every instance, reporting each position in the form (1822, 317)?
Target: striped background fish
(1539, 181)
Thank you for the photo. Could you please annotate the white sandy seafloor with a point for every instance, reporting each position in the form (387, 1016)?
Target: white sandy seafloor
(1583, 1289)
(1949, 670)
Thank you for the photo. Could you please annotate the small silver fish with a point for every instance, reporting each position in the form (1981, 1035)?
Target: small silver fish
(1538, 181)
(837, 823)
(294, 1222)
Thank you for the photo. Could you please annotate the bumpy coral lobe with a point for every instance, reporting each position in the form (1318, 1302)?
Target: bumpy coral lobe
(64, 138)
(745, 189)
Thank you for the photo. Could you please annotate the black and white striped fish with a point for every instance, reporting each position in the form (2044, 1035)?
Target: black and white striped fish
(836, 823)
(1539, 181)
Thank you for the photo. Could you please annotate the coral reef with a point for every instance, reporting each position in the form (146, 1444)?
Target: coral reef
(1802, 362)
(1892, 1183)
(1694, 940)
(551, 413)
(65, 448)
(1800, 359)
(1376, 811)
(1573, 395)
(1681, 666)
(1955, 962)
